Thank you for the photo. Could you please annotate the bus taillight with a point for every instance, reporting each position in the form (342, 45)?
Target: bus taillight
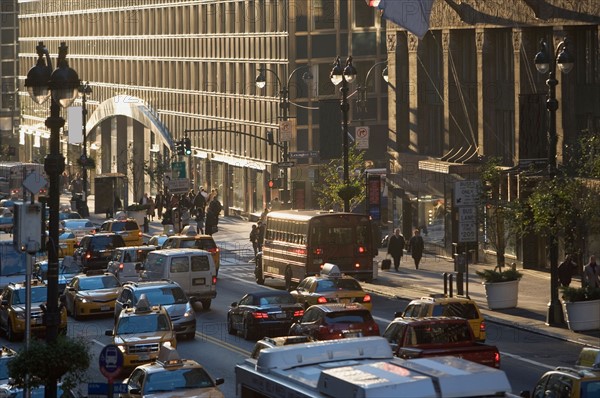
(318, 251)
(362, 250)
(357, 265)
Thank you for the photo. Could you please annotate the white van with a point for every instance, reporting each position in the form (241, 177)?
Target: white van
(193, 269)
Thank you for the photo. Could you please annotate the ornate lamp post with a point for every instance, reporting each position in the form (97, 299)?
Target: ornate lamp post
(84, 89)
(362, 90)
(344, 76)
(545, 62)
(284, 102)
(61, 86)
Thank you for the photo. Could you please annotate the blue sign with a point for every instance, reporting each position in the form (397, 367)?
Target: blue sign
(110, 361)
(102, 388)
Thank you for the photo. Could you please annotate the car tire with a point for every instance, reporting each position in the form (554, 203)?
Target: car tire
(230, 329)
(247, 333)
(206, 304)
(10, 333)
(75, 313)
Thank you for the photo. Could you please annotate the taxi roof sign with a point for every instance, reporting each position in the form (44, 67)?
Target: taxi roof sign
(331, 270)
(169, 357)
(589, 357)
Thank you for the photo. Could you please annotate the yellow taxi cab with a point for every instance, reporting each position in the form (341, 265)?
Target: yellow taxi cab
(170, 375)
(580, 381)
(66, 244)
(330, 286)
(93, 293)
(141, 331)
(12, 310)
(128, 228)
(443, 305)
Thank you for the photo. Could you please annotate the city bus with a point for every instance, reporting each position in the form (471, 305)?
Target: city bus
(297, 243)
(12, 175)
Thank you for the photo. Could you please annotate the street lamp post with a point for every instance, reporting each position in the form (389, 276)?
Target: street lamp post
(284, 102)
(545, 62)
(85, 89)
(344, 76)
(362, 90)
(61, 86)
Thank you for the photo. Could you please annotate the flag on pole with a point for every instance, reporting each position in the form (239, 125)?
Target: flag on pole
(412, 15)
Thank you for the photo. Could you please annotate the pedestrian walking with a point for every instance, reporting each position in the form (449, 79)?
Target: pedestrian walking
(396, 247)
(254, 239)
(566, 270)
(591, 273)
(200, 218)
(151, 208)
(212, 215)
(416, 245)
(159, 203)
(261, 226)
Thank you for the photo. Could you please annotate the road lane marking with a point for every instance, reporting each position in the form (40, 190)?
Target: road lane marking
(224, 344)
(529, 361)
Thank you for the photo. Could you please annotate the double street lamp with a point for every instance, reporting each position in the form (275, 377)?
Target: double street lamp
(362, 90)
(344, 76)
(84, 89)
(545, 62)
(61, 85)
(284, 101)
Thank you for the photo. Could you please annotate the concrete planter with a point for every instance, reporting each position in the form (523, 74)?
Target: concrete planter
(582, 315)
(137, 215)
(502, 295)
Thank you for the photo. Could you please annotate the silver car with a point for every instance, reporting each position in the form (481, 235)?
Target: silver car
(124, 261)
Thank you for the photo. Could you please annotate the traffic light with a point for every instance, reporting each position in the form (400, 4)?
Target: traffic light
(188, 146)
(274, 184)
(270, 139)
(180, 147)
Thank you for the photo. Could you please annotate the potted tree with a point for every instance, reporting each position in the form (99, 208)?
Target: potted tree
(137, 212)
(581, 306)
(501, 287)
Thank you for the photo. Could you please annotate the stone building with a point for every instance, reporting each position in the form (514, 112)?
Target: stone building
(469, 90)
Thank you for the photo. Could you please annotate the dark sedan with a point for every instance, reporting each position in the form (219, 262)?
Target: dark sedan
(265, 312)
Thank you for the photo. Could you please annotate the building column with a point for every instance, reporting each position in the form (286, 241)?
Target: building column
(517, 39)
(413, 93)
(105, 146)
(393, 100)
(558, 35)
(446, 79)
(479, 46)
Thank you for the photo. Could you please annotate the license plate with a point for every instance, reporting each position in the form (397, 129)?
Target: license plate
(353, 334)
(281, 315)
(105, 308)
(199, 281)
(345, 300)
(144, 357)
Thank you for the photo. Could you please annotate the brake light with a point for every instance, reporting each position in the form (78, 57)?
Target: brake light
(361, 250)
(140, 234)
(260, 315)
(367, 298)
(121, 266)
(482, 326)
(213, 250)
(497, 360)
(88, 255)
(214, 280)
(318, 251)
(357, 265)
(298, 313)
(321, 300)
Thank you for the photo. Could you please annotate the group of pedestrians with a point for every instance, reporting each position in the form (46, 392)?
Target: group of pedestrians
(202, 207)
(568, 268)
(397, 244)
(257, 236)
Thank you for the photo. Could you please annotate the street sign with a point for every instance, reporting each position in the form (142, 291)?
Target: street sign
(286, 164)
(110, 361)
(303, 154)
(467, 232)
(179, 185)
(34, 182)
(467, 214)
(361, 135)
(178, 170)
(285, 130)
(466, 193)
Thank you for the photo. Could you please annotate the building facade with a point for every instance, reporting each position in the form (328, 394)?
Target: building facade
(165, 70)
(9, 61)
(470, 90)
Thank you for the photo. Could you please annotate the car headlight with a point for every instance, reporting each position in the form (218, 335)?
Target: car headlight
(20, 315)
(122, 348)
(189, 311)
(82, 300)
(167, 344)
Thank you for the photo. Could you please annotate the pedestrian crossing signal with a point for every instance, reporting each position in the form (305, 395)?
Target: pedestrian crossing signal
(274, 184)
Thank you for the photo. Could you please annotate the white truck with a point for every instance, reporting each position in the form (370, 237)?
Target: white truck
(362, 368)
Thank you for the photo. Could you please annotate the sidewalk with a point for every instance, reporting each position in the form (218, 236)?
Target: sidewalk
(408, 284)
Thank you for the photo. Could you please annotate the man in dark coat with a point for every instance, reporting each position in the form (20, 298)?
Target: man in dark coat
(416, 245)
(396, 247)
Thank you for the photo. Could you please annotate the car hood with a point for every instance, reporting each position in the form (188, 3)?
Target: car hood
(106, 294)
(211, 392)
(35, 307)
(143, 337)
(175, 310)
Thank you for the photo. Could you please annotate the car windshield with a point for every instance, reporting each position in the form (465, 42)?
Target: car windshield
(70, 224)
(154, 266)
(180, 379)
(164, 296)
(100, 282)
(102, 243)
(38, 295)
(331, 285)
(276, 299)
(143, 324)
(349, 317)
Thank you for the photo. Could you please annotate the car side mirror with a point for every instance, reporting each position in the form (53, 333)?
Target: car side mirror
(219, 381)
(234, 304)
(108, 332)
(4, 303)
(134, 391)
(398, 314)
(139, 267)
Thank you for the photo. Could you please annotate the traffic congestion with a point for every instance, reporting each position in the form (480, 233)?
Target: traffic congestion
(161, 307)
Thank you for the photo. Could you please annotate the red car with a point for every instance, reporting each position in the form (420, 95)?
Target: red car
(335, 321)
